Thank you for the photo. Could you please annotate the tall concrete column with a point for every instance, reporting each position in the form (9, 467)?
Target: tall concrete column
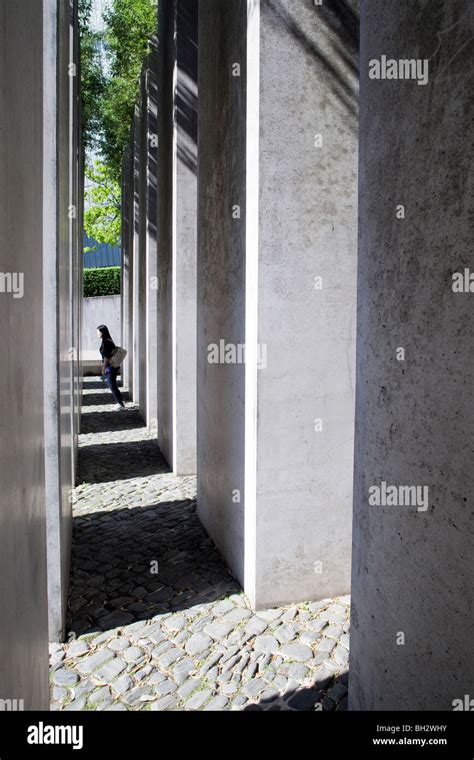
(276, 292)
(80, 243)
(413, 576)
(135, 252)
(75, 240)
(60, 282)
(146, 146)
(129, 231)
(150, 116)
(177, 231)
(125, 280)
(142, 324)
(24, 37)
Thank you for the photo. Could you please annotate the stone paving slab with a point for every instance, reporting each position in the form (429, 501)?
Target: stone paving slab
(156, 620)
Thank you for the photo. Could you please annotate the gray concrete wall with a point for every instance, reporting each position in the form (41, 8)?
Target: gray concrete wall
(137, 295)
(125, 272)
(151, 199)
(307, 228)
(78, 295)
(80, 256)
(142, 326)
(130, 241)
(221, 274)
(75, 231)
(97, 311)
(177, 219)
(289, 537)
(147, 238)
(23, 601)
(164, 359)
(185, 235)
(139, 239)
(61, 309)
(413, 573)
(160, 310)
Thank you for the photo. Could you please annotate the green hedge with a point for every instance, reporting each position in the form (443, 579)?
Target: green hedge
(103, 281)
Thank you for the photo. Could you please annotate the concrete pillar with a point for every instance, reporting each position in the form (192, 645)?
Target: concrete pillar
(147, 274)
(276, 276)
(413, 578)
(80, 249)
(126, 281)
(60, 283)
(137, 296)
(79, 287)
(75, 239)
(177, 231)
(23, 569)
(150, 116)
(130, 231)
(142, 149)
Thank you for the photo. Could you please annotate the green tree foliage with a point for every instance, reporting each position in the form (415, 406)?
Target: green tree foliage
(94, 86)
(84, 13)
(109, 93)
(93, 81)
(102, 195)
(129, 26)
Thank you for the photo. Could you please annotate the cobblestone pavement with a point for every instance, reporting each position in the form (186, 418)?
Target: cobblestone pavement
(156, 621)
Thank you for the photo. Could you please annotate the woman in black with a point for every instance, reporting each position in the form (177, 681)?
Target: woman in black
(106, 349)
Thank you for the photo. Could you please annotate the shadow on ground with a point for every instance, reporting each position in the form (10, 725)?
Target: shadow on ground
(105, 462)
(94, 382)
(102, 399)
(133, 564)
(140, 552)
(324, 695)
(111, 421)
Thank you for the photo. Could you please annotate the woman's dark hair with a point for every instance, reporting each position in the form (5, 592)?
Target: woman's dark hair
(105, 332)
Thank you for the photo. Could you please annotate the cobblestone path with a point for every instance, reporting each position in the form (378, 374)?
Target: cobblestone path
(156, 621)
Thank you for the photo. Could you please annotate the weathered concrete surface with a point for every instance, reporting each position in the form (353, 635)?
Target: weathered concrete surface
(177, 234)
(130, 241)
(164, 358)
(142, 324)
(276, 495)
(97, 311)
(126, 278)
(185, 244)
(62, 282)
(75, 286)
(80, 271)
(221, 275)
(23, 601)
(149, 116)
(140, 265)
(412, 570)
(135, 248)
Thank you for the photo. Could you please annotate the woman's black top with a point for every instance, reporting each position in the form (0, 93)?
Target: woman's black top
(106, 348)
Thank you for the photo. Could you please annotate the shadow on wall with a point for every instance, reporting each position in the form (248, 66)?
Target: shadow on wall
(187, 87)
(339, 61)
(152, 118)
